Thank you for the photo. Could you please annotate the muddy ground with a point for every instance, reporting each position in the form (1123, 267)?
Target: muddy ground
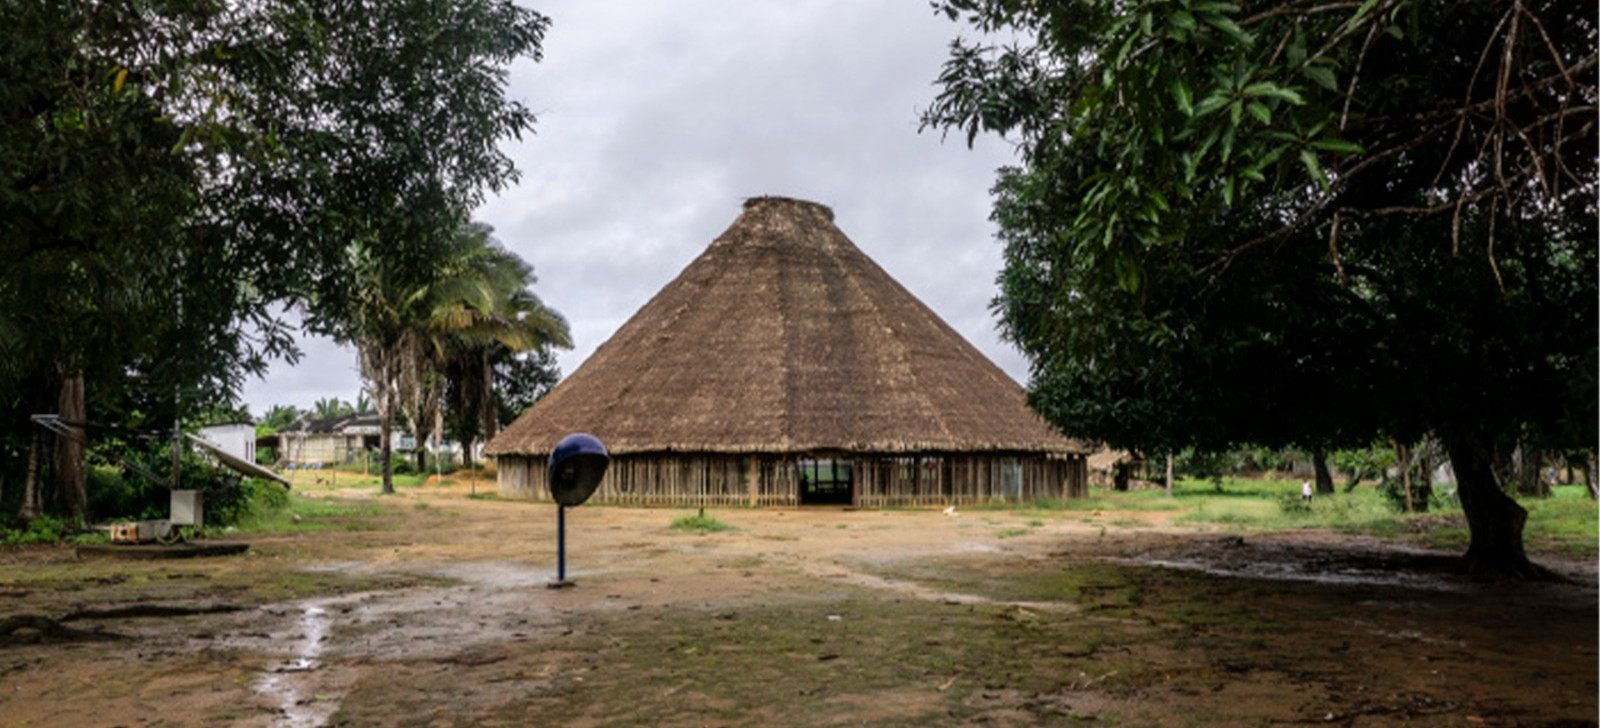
(432, 609)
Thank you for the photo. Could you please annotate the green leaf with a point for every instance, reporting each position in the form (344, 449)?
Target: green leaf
(1181, 19)
(1206, 144)
(1296, 49)
(1361, 12)
(1227, 191)
(1323, 76)
(1309, 158)
(1229, 27)
(1338, 145)
(1272, 90)
(1127, 275)
(1260, 111)
(1180, 93)
(1211, 104)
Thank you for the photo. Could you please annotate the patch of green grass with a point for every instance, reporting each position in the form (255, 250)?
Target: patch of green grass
(325, 480)
(1098, 500)
(1013, 532)
(301, 513)
(699, 523)
(1232, 511)
(1564, 522)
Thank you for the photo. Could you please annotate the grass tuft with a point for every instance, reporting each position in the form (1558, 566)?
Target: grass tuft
(699, 523)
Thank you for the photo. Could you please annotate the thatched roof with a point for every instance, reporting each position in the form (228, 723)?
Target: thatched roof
(783, 337)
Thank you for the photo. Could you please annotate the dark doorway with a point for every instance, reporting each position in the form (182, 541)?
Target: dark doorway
(827, 482)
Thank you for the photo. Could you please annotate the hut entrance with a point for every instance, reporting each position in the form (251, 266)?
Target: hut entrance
(827, 482)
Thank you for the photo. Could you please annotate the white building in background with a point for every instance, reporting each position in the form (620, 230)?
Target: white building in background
(235, 438)
(346, 438)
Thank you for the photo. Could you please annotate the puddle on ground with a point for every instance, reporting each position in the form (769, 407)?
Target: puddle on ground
(303, 698)
(495, 601)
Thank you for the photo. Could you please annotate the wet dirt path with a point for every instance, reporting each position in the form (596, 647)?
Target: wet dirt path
(440, 615)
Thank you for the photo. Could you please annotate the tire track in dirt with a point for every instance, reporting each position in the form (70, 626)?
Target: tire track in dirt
(839, 572)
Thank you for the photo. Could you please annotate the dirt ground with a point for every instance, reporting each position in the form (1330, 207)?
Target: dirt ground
(433, 609)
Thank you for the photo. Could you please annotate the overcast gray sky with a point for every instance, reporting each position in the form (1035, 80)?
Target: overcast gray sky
(657, 120)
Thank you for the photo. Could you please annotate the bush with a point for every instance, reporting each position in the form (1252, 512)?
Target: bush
(399, 465)
(114, 495)
(1294, 504)
(1210, 466)
(118, 494)
(238, 500)
(1425, 496)
(45, 529)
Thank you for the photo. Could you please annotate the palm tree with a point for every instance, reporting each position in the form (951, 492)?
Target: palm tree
(331, 407)
(474, 295)
(504, 317)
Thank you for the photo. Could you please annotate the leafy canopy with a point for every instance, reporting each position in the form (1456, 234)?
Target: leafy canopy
(174, 173)
(1298, 222)
(1270, 221)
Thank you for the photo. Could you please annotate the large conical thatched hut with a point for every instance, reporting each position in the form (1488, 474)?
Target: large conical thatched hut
(784, 367)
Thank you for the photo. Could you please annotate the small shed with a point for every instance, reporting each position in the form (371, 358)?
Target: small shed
(236, 438)
(784, 367)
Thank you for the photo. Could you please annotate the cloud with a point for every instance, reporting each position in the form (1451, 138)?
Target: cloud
(656, 120)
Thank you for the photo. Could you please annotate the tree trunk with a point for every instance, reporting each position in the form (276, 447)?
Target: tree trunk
(1530, 478)
(1423, 489)
(31, 507)
(72, 480)
(1494, 518)
(1402, 456)
(385, 451)
(1319, 463)
(1588, 477)
(378, 368)
(1355, 479)
(1169, 475)
(1119, 476)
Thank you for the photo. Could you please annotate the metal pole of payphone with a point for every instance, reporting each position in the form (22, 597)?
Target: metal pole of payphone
(561, 544)
(576, 466)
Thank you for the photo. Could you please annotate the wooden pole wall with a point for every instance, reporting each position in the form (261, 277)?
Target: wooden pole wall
(764, 480)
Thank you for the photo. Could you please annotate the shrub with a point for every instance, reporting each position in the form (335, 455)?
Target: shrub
(114, 495)
(44, 529)
(1294, 504)
(400, 465)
